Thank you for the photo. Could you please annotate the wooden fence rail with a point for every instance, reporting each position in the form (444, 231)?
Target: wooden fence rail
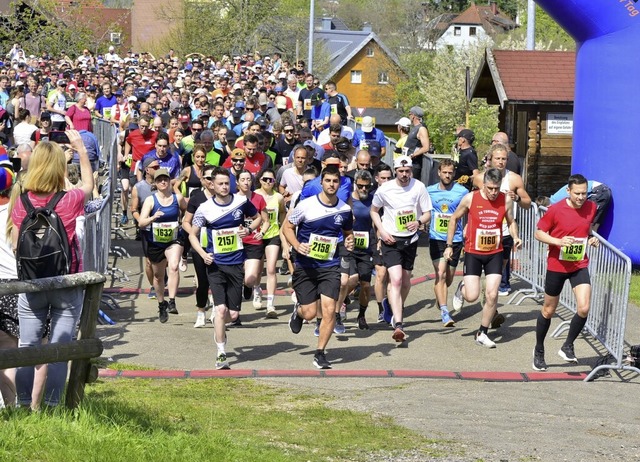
(79, 351)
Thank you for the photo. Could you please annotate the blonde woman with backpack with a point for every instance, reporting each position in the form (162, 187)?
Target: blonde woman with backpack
(45, 178)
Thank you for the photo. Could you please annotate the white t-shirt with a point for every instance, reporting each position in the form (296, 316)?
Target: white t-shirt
(324, 138)
(401, 205)
(291, 180)
(22, 133)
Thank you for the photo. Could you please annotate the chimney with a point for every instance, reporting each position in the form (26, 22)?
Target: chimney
(327, 23)
(494, 7)
(366, 27)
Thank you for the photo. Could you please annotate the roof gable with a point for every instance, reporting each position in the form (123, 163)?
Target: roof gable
(526, 76)
(343, 45)
(493, 21)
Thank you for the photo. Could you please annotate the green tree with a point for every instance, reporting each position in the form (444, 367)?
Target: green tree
(40, 27)
(437, 83)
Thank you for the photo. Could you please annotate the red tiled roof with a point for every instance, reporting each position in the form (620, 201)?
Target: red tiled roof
(537, 75)
(469, 16)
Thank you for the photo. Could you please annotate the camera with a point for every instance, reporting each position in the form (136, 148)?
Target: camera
(59, 137)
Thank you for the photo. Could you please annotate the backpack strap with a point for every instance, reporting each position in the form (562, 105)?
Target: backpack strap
(28, 206)
(54, 200)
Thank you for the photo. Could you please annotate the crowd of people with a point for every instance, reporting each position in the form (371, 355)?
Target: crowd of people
(232, 163)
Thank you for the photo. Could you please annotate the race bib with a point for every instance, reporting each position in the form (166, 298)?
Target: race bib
(163, 233)
(441, 222)
(487, 240)
(575, 251)
(107, 112)
(361, 240)
(307, 104)
(273, 215)
(322, 247)
(334, 109)
(403, 217)
(226, 240)
(128, 160)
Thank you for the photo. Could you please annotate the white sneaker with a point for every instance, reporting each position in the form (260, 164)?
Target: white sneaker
(483, 340)
(257, 298)
(183, 265)
(200, 320)
(458, 300)
(272, 313)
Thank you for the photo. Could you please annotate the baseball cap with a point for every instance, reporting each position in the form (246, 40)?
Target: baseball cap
(236, 113)
(404, 122)
(237, 86)
(263, 122)
(467, 134)
(402, 161)
(161, 172)
(91, 88)
(184, 118)
(132, 99)
(343, 146)
(7, 175)
(45, 115)
(367, 124)
(263, 100)
(417, 111)
(281, 102)
(238, 154)
(148, 161)
(118, 92)
(62, 83)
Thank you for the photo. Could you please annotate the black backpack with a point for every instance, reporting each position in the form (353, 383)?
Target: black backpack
(43, 246)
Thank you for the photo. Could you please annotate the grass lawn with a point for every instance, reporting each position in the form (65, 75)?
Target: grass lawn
(212, 420)
(634, 290)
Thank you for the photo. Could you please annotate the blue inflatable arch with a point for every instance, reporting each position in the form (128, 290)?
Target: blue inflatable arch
(606, 134)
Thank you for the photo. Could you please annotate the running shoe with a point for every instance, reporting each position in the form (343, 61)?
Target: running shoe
(124, 219)
(163, 316)
(316, 331)
(497, 320)
(183, 264)
(284, 269)
(272, 313)
(200, 320)
(446, 319)
(172, 307)
(235, 323)
(483, 340)
(458, 300)
(567, 353)
(320, 361)
(386, 313)
(257, 298)
(381, 317)
(504, 292)
(362, 323)
(295, 321)
(399, 335)
(539, 363)
(221, 361)
(338, 327)
(152, 294)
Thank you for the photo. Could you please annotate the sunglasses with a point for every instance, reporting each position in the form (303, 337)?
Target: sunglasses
(289, 131)
(268, 180)
(208, 178)
(238, 161)
(363, 186)
(153, 167)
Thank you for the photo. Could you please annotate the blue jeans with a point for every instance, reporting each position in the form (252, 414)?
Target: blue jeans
(64, 306)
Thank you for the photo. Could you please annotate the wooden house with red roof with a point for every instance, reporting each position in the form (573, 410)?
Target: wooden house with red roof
(535, 91)
(474, 26)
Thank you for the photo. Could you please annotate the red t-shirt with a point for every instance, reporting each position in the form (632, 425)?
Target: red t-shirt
(563, 220)
(140, 145)
(70, 207)
(253, 165)
(260, 204)
(484, 228)
(81, 118)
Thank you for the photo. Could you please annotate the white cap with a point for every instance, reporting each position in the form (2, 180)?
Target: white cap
(404, 122)
(367, 124)
(402, 161)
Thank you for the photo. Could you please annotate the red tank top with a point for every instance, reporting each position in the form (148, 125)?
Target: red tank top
(484, 227)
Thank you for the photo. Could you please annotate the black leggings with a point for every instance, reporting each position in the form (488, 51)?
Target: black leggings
(202, 292)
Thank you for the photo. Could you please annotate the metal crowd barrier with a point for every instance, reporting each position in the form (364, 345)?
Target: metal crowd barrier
(610, 272)
(98, 224)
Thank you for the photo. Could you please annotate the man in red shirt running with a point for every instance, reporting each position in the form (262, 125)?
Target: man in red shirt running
(566, 228)
(487, 208)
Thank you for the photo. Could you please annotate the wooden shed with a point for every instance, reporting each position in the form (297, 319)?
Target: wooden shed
(535, 91)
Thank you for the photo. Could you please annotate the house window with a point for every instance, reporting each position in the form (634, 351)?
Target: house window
(383, 77)
(356, 76)
(457, 31)
(115, 37)
(369, 52)
(472, 31)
